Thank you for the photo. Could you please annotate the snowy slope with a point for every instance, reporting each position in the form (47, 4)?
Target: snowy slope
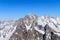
(7, 28)
(53, 23)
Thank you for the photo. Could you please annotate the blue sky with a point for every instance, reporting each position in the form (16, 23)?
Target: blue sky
(13, 9)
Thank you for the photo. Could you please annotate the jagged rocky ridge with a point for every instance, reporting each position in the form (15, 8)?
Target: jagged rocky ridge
(31, 27)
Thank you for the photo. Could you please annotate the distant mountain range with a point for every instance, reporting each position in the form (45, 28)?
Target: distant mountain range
(31, 27)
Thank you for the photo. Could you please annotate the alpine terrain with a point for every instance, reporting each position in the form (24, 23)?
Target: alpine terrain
(31, 27)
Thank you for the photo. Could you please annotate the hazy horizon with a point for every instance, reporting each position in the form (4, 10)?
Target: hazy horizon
(14, 9)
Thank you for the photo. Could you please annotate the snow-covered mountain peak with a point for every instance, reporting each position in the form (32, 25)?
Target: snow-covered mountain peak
(29, 23)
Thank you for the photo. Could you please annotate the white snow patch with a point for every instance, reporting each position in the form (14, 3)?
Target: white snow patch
(28, 27)
(58, 34)
(40, 31)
